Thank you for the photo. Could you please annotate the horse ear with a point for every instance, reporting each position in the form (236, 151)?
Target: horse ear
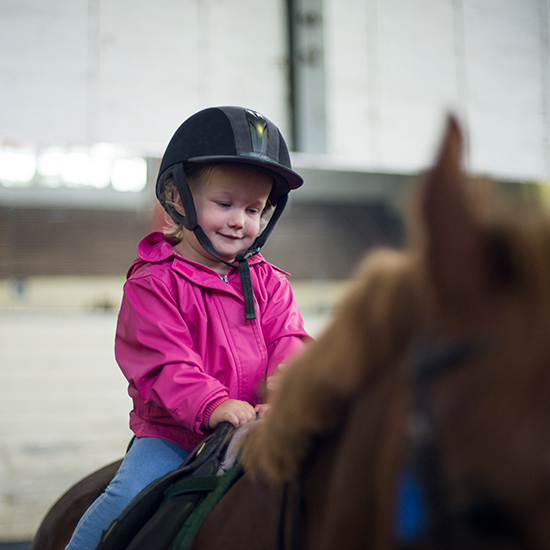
(452, 241)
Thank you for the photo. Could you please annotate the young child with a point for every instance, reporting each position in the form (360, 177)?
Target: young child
(205, 320)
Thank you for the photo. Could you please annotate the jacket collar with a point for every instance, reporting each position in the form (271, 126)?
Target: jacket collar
(155, 248)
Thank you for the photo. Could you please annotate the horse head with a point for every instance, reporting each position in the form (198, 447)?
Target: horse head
(435, 365)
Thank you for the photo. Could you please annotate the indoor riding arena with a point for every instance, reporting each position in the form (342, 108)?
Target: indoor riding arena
(91, 92)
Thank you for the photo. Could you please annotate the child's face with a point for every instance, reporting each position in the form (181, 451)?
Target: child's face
(229, 208)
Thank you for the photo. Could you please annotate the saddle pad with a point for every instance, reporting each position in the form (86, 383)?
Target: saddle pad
(204, 462)
(191, 527)
(183, 511)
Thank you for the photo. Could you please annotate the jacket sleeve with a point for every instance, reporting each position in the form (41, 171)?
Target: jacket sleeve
(157, 355)
(282, 323)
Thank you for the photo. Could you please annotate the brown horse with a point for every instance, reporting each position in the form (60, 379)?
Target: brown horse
(57, 527)
(437, 366)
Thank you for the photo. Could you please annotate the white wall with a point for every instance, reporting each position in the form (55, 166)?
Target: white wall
(131, 70)
(395, 66)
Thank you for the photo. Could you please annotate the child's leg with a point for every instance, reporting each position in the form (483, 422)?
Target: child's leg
(147, 459)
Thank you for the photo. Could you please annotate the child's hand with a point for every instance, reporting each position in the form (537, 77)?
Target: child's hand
(261, 410)
(233, 411)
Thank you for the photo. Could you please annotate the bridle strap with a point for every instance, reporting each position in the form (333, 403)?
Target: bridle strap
(432, 358)
(423, 470)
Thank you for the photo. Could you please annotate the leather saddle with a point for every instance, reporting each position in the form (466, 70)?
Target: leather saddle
(155, 518)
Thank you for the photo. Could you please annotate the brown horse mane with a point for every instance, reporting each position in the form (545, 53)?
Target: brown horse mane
(317, 385)
(477, 262)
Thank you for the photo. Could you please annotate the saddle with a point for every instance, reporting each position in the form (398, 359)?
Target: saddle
(168, 513)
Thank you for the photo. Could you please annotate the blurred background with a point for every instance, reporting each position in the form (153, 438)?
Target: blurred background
(92, 90)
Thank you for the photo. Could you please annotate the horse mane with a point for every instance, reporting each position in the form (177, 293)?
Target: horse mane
(476, 262)
(317, 385)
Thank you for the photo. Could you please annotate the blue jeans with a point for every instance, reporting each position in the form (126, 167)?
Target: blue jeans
(147, 459)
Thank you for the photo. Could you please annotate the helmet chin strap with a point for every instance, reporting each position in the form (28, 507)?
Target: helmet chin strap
(190, 222)
(241, 261)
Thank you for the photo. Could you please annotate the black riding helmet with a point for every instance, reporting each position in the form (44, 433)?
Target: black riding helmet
(227, 135)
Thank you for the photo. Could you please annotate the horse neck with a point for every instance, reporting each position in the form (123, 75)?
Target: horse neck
(348, 484)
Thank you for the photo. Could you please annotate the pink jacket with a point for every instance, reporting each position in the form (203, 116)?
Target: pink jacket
(184, 345)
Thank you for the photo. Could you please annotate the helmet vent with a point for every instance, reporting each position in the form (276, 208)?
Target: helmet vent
(257, 125)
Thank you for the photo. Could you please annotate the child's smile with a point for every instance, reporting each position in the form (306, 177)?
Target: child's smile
(229, 208)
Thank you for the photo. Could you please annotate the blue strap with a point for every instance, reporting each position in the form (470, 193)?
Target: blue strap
(411, 521)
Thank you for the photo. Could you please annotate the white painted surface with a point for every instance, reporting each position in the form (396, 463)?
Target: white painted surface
(130, 71)
(394, 67)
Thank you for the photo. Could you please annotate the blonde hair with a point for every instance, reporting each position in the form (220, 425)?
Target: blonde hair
(198, 175)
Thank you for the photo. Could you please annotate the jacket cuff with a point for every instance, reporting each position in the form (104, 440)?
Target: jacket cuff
(209, 410)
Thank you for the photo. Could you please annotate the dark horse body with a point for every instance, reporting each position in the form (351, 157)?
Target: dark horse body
(56, 529)
(342, 426)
